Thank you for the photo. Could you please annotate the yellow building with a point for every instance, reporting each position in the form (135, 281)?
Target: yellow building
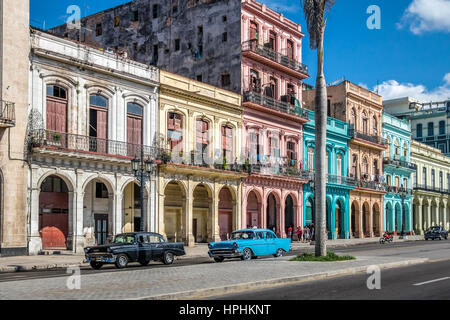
(199, 179)
(431, 189)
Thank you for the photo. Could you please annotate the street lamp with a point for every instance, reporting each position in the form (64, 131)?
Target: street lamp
(143, 170)
(403, 194)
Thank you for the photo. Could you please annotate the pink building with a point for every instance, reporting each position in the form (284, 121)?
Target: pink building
(272, 76)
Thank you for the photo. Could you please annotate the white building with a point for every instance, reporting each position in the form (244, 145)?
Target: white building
(90, 114)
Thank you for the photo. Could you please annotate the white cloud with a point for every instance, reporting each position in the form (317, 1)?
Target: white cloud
(392, 89)
(282, 7)
(427, 15)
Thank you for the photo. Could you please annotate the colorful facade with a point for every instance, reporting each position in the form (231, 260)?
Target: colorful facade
(398, 169)
(431, 188)
(200, 182)
(339, 184)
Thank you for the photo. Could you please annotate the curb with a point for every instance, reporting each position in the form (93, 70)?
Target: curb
(218, 291)
(48, 267)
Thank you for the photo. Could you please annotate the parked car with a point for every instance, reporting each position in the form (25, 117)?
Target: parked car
(249, 244)
(141, 247)
(436, 232)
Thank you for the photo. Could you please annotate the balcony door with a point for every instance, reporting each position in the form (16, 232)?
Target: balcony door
(56, 115)
(134, 129)
(202, 141)
(98, 123)
(290, 49)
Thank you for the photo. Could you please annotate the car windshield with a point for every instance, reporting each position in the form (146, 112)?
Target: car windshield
(244, 235)
(123, 238)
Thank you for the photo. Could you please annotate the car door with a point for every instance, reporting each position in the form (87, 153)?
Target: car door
(157, 244)
(145, 249)
(260, 243)
(270, 243)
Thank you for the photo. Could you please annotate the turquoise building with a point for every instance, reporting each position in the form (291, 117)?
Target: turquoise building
(339, 184)
(397, 170)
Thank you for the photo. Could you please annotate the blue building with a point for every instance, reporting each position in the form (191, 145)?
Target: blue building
(397, 168)
(338, 185)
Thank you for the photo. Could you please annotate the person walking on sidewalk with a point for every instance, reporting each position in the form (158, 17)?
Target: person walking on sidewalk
(299, 234)
(290, 233)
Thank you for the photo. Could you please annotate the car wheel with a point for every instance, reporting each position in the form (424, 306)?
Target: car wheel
(144, 263)
(247, 254)
(122, 261)
(96, 265)
(168, 258)
(426, 239)
(279, 253)
(219, 260)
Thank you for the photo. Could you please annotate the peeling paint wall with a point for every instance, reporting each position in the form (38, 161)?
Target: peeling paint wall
(198, 24)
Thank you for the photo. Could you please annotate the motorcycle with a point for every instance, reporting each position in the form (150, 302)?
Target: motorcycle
(387, 239)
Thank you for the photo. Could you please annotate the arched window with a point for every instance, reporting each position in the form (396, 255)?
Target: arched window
(98, 123)
(365, 122)
(202, 136)
(339, 165)
(56, 109)
(397, 150)
(365, 166)
(375, 126)
(175, 131)
(388, 150)
(353, 118)
(253, 31)
(291, 152)
(354, 166)
(405, 150)
(397, 183)
(311, 159)
(388, 180)
(290, 49)
(135, 115)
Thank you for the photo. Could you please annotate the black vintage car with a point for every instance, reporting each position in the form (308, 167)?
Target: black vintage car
(141, 247)
(436, 232)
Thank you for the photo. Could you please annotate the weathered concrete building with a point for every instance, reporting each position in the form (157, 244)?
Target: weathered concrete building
(91, 113)
(14, 68)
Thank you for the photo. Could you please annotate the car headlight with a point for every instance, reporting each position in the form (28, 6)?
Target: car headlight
(210, 246)
(235, 245)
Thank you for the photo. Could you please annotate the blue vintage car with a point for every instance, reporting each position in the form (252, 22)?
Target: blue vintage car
(248, 244)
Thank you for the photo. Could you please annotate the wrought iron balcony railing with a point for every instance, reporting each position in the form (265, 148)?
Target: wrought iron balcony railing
(399, 190)
(7, 113)
(431, 189)
(373, 185)
(277, 57)
(348, 181)
(365, 136)
(266, 101)
(90, 145)
(400, 163)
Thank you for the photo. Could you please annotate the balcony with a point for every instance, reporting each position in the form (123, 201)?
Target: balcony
(400, 164)
(348, 181)
(397, 190)
(90, 146)
(431, 189)
(7, 114)
(371, 185)
(267, 55)
(277, 105)
(377, 140)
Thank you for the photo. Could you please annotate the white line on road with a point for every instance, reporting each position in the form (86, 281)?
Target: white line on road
(431, 281)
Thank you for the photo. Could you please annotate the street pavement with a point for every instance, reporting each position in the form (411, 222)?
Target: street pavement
(200, 277)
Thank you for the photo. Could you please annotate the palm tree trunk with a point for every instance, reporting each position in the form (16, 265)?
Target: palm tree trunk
(321, 165)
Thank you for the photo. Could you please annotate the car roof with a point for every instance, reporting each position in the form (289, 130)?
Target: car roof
(254, 230)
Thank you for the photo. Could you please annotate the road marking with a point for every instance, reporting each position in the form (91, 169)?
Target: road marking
(431, 281)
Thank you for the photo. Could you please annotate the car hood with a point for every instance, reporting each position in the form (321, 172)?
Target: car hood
(105, 247)
(228, 244)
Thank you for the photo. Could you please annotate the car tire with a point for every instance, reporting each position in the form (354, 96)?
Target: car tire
(279, 253)
(96, 265)
(122, 261)
(247, 254)
(219, 260)
(168, 258)
(144, 263)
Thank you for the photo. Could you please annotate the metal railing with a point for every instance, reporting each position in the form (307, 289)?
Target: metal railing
(266, 101)
(7, 113)
(400, 163)
(431, 189)
(373, 185)
(399, 190)
(348, 181)
(90, 145)
(277, 57)
(365, 136)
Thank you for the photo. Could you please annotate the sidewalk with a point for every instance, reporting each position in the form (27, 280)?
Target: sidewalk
(64, 260)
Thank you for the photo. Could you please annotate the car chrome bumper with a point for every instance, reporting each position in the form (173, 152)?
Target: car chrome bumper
(104, 258)
(225, 254)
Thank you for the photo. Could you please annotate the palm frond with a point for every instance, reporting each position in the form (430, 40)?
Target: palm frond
(314, 11)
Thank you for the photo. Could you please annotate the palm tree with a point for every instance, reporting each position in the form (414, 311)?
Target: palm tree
(316, 21)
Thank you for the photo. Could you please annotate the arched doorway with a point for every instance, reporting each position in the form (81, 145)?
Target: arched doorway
(132, 208)
(389, 218)
(54, 213)
(254, 218)
(339, 219)
(329, 217)
(366, 219)
(398, 218)
(355, 220)
(272, 213)
(289, 214)
(376, 224)
(174, 211)
(226, 209)
(202, 228)
(98, 205)
(309, 212)
(425, 213)
(441, 214)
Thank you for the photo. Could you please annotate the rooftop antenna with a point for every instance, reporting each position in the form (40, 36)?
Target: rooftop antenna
(378, 87)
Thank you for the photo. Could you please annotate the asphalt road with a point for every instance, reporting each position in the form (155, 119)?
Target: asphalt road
(429, 281)
(430, 248)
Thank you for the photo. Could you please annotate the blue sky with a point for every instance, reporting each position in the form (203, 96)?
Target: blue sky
(409, 55)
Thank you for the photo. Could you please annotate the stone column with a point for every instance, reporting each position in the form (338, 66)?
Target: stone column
(332, 223)
(418, 212)
(360, 222)
(444, 213)
(76, 203)
(282, 219)
(161, 226)
(34, 238)
(347, 219)
(118, 203)
(214, 236)
(188, 205)
(111, 213)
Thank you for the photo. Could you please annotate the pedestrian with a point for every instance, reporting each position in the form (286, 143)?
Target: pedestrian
(307, 233)
(313, 233)
(299, 234)
(290, 233)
